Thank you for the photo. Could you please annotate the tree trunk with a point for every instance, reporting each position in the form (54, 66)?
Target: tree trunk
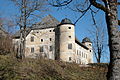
(114, 42)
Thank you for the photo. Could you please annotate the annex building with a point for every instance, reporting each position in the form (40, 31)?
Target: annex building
(56, 40)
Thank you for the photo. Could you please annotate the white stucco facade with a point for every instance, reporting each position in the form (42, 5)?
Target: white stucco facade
(58, 43)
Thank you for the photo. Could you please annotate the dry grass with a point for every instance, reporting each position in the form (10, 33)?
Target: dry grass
(40, 69)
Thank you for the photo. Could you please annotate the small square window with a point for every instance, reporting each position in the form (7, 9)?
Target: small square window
(50, 39)
(41, 49)
(69, 27)
(69, 36)
(41, 40)
(32, 50)
(69, 46)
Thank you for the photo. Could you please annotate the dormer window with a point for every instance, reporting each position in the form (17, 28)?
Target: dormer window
(89, 44)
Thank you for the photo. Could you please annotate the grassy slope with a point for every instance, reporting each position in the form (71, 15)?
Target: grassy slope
(39, 69)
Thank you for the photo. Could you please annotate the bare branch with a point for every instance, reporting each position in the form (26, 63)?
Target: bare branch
(118, 3)
(99, 6)
(84, 12)
(60, 4)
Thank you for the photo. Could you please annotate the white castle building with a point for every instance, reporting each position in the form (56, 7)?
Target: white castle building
(56, 40)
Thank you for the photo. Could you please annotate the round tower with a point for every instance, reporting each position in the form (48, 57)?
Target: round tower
(66, 40)
(87, 42)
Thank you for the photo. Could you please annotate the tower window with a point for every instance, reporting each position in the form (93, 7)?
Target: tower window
(41, 40)
(50, 30)
(32, 39)
(89, 44)
(51, 48)
(69, 36)
(50, 39)
(69, 27)
(41, 49)
(90, 50)
(32, 50)
(70, 58)
(69, 46)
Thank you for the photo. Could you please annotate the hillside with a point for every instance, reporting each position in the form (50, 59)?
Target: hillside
(40, 69)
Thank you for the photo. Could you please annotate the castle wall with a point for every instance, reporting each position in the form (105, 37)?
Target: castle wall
(44, 39)
(81, 55)
(57, 43)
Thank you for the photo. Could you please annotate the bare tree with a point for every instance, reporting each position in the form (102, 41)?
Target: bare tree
(5, 38)
(29, 12)
(110, 7)
(99, 41)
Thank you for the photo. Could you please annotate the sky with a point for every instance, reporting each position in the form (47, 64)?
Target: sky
(82, 27)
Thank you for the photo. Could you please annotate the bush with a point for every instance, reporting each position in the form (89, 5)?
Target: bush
(6, 46)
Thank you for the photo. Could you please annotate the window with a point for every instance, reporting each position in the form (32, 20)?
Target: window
(32, 39)
(89, 44)
(69, 36)
(90, 50)
(69, 46)
(41, 49)
(70, 58)
(32, 49)
(50, 30)
(51, 48)
(86, 56)
(77, 52)
(50, 39)
(69, 27)
(41, 40)
(82, 54)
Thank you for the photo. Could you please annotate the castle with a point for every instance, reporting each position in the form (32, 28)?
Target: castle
(56, 40)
